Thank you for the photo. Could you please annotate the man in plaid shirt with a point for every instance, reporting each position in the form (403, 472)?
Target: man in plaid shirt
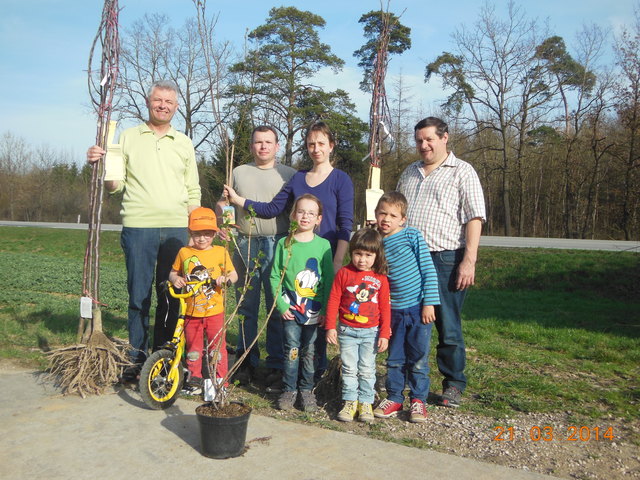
(446, 204)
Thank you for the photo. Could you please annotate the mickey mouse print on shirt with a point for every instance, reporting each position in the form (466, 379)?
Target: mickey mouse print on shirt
(364, 294)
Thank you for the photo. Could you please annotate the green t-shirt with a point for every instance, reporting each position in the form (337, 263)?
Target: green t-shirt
(307, 279)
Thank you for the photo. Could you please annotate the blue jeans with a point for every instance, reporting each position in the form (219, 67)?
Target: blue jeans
(250, 307)
(320, 357)
(408, 359)
(298, 361)
(149, 253)
(358, 348)
(451, 353)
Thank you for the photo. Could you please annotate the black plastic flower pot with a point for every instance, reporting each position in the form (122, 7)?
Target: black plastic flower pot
(223, 434)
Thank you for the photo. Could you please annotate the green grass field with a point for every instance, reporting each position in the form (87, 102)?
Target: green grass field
(546, 330)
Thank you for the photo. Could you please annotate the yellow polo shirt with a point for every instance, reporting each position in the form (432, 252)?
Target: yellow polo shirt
(161, 178)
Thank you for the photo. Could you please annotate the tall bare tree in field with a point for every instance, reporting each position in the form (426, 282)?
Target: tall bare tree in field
(14, 155)
(497, 86)
(402, 122)
(95, 363)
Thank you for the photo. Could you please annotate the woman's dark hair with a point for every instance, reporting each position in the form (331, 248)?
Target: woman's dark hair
(321, 127)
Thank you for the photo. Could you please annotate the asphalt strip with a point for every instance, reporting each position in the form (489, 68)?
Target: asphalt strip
(46, 435)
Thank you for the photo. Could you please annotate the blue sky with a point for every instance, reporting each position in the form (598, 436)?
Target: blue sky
(45, 47)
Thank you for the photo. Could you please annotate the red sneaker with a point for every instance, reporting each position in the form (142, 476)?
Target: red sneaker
(418, 411)
(386, 408)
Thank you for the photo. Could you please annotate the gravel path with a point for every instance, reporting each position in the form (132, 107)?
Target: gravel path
(605, 449)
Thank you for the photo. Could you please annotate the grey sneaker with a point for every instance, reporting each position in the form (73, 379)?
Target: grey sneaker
(286, 400)
(451, 397)
(309, 402)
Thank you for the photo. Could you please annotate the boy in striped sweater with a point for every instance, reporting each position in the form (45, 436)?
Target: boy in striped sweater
(414, 292)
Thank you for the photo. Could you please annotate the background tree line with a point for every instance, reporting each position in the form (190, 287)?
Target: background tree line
(554, 134)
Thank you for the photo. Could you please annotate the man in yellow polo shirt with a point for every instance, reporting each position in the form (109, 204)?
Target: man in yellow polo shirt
(160, 186)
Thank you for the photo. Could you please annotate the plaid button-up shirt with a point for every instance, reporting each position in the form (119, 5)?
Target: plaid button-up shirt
(441, 203)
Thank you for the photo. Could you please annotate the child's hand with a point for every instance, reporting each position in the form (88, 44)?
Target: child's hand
(288, 315)
(332, 336)
(383, 344)
(428, 314)
(179, 282)
(322, 319)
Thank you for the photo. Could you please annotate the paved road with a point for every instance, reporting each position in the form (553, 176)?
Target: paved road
(487, 241)
(565, 243)
(114, 436)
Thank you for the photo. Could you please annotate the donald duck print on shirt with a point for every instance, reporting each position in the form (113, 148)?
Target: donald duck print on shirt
(302, 298)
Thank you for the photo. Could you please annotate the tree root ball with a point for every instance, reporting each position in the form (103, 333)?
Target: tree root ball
(87, 369)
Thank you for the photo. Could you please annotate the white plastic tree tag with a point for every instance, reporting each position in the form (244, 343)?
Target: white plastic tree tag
(86, 307)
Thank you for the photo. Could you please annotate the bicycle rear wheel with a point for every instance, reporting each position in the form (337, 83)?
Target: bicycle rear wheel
(159, 384)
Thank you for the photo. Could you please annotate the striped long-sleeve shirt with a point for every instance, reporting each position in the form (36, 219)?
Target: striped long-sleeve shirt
(412, 276)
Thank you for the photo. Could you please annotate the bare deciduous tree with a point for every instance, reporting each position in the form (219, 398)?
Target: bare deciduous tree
(627, 48)
(497, 87)
(152, 50)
